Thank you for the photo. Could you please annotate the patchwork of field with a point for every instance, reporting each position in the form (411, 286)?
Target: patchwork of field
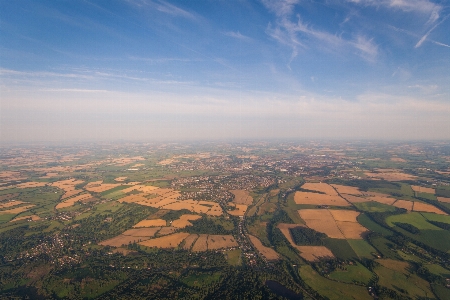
(408, 205)
(382, 199)
(121, 239)
(314, 253)
(242, 197)
(239, 210)
(164, 198)
(339, 224)
(195, 242)
(419, 206)
(68, 186)
(421, 189)
(121, 179)
(142, 232)
(267, 252)
(354, 199)
(71, 201)
(343, 189)
(10, 203)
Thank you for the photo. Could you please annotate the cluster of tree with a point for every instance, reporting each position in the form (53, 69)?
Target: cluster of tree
(408, 227)
(307, 236)
(206, 226)
(442, 225)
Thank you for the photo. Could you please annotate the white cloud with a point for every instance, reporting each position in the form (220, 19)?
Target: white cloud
(237, 35)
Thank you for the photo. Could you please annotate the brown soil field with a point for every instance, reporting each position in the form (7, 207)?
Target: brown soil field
(319, 199)
(267, 252)
(354, 199)
(419, 206)
(327, 226)
(320, 187)
(189, 241)
(30, 185)
(17, 210)
(183, 221)
(151, 223)
(121, 179)
(351, 230)
(166, 231)
(343, 189)
(422, 189)
(391, 176)
(72, 201)
(71, 193)
(239, 211)
(120, 240)
(221, 241)
(31, 217)
(443, 199)
(10, 203)
(344, 215)
(408, 205)
(396, 265)
(165, 202)
(384, 200)
(201, 244)
(142, 232)
(215, 210)
(314, 253)
(242, 197)
(169, 241)
(67, 185)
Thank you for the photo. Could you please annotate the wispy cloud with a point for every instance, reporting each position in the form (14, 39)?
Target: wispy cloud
(238, 35)
(423, 38)
(420, 6)
(164, 7)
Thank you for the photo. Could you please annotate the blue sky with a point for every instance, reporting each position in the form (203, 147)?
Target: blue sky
(165, 70)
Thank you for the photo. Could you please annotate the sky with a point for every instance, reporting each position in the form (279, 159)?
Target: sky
(234, 69)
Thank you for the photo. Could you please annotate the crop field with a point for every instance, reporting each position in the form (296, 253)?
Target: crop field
(352, 273)
(343, 189)
(406, 284)
(10, 204)
(408, 205)
(314, 253)
(16, 210)
(168, 241)
(382, 199)
(443, 199)
(320, 187)
(71, 201)
(121, 239)
(30, 217)
(284, 228)
(416, 219)
(362, 248)
(183, 221)
(239, 210)
(339, 224)
(319, 199)
(100, 187)
(221, 241)
(166, 230)
(340, 248)
(30, 185)
(201, 244)
(421, 189)
(419, 206)
(267, 252)
(354, 199)
(373, 206)
(121, 179)
(189, 241)
(142, 232)
(331, 289)
(435, 217)
(68, 186)
(242, 197)
(151, 223)
(390, 175)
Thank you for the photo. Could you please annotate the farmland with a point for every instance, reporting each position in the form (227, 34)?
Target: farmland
(205, 220)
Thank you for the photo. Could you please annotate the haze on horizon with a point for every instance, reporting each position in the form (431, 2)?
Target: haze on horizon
(167, 70)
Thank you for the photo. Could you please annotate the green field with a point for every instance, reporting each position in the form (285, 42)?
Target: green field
(407, 284)
(362, 248)
(340, 248)
(234, 257)
(438, 270)
(365, 221)
(353, 274)
(373, 206)
(436, 217)
(332, 289)
(416, 219)
(6, 217)
(384, 247)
